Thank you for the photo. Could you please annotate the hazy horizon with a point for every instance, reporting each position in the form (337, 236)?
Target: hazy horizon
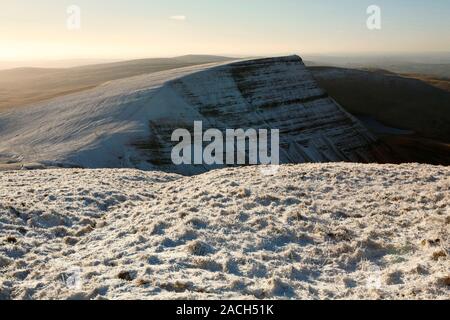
(124, 30)
(425, 58)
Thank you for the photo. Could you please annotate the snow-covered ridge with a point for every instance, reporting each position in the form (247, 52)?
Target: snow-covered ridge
(313, 231)
(128, 123)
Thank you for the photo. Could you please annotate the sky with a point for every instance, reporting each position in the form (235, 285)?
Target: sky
(122, 29)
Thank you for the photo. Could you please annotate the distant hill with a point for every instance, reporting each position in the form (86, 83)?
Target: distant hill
(23, 86)
(62, 63)
(430, 64)
(437, 70)
(414, 103)
(200, 59)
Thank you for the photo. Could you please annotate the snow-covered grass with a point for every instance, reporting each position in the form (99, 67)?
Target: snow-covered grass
(315, 231)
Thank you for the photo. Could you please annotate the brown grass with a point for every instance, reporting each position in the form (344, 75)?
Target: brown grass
(23, 86)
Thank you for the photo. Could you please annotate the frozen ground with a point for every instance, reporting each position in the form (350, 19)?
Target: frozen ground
(315, 231)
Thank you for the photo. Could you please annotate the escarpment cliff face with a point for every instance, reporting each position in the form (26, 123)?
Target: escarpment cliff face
(275, 93)
(129, 123)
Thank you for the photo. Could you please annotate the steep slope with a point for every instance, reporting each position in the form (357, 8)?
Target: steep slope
(313, 231)
(129, 122)
(395, 100)
(416, 107)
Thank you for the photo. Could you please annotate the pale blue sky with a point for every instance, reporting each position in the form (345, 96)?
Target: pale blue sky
(143, 28)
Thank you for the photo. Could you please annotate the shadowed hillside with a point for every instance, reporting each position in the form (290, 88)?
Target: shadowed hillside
(395, 100)
(415, 107)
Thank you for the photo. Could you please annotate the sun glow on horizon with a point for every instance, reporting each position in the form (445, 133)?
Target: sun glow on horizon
(133, 29)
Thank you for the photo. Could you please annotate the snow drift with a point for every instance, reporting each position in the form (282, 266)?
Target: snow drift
(313, 231)
(128, 123)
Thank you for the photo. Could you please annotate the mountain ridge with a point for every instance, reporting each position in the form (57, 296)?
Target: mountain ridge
(128, 122)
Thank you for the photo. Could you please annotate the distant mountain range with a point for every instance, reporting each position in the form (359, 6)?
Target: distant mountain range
(437, 65)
